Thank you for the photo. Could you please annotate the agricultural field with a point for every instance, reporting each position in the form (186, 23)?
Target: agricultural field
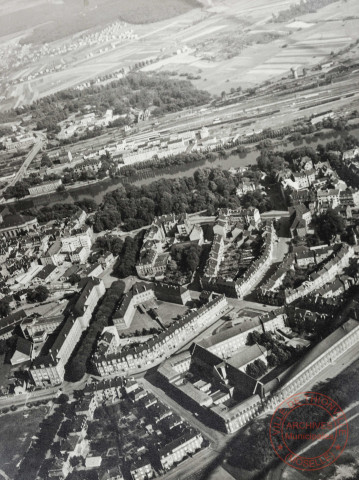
(51, 20)
(222, 45)
(245, 51)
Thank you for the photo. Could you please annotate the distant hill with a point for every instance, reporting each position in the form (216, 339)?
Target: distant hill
(53, 19)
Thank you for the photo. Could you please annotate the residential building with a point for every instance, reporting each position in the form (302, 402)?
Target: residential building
(79, 255)
(245, 187)
(175, 451)
(91, 165)
(53, 256)
(166, 343)
(141, 469)
(46, 275)
(46, 187)
(70, 243)
(49, 369)
(22, 352)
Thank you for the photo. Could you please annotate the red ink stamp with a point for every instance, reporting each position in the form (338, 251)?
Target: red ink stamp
(308, 431)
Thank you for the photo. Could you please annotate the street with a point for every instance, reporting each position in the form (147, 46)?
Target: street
(30, 156)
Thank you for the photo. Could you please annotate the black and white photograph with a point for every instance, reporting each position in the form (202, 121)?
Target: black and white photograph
(179, 239)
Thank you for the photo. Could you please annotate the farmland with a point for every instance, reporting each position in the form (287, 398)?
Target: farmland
(50, 21)
(222, 45)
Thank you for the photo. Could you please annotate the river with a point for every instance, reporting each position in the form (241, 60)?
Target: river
(99, 190)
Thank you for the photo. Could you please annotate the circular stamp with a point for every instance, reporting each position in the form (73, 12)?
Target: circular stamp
(308, 431)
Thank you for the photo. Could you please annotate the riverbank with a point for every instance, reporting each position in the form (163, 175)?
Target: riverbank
(98, 189)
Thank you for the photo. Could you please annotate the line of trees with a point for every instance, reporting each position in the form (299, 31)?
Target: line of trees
(77, 366)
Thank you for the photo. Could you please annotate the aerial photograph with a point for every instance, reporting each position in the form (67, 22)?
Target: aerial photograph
(179, 239)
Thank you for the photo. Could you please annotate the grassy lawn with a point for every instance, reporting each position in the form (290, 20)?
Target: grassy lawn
(141, 321)
(169, 311)
(17, 430)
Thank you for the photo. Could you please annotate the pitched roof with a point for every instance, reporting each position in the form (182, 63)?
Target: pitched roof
(23, 346)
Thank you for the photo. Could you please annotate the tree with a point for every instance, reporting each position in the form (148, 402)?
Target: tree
(74, 278)
(109, 243)
(4, 308)
(39, 294)
(328, 225)
(46, 160)
(253, 338)
(63, 398)
(252, 370)
(87, 204)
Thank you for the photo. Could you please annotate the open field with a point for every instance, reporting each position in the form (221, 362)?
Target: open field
(227, 44)
(51, 20)
(18, 430)
(299, 44)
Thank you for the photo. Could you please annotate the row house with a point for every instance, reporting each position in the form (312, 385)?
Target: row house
(46, 187)
(312, 256)
(328, 198)
(326, 274)
(91, 165)
(175, 451)
(86, 406)
(166, 343)
(215, 257)
(248, 215)
(50, 369)
(141, 469)
(226, 343)
(274, 282)
(304, 179)
(258, 268)
(91, 293)
(11, 225)
(105, 390)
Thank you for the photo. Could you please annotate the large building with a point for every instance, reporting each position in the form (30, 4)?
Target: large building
(46, 187)
(230, 396)
(227, 342)
(49, 368)
(71, 242)
(143, 292)
(165, 344)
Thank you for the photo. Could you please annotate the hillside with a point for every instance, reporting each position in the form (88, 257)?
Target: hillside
(52, 20)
